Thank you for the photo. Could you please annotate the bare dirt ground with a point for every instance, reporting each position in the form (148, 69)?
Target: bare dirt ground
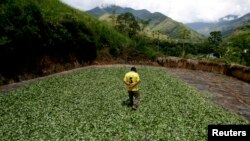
(229, 92)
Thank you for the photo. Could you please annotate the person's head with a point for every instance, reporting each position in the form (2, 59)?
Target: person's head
(133, 69)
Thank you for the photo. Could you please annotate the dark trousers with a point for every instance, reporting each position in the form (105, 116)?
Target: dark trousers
(134, 98)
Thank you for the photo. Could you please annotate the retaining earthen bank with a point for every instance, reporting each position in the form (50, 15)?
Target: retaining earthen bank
(238, 71)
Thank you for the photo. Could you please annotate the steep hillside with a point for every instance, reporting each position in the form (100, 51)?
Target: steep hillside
(226, 25)
(42, 37)
(237, 46)
(157, 21)
(141, 14)
(155, 18)
(240, 38)
(174, 29)
(242, 32)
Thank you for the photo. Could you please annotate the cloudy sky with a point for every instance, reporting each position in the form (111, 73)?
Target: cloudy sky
(180, 10)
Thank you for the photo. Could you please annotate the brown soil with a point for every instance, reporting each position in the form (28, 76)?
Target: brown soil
(229, 92)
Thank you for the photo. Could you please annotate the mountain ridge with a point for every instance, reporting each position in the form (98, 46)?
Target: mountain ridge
(225, 26)
(156, 20)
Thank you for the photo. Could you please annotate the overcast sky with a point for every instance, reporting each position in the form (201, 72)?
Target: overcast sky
(180, 10)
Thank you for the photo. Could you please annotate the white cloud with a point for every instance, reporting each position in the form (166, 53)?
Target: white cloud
(180, 10)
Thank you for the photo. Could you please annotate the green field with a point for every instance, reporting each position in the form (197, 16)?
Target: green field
(88, 105)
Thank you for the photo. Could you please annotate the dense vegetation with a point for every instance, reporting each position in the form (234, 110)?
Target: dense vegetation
(42, 37)
(237, 46)
(181, 41)
(91, 105)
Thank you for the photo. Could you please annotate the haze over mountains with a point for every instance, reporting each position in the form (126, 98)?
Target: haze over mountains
(226, 25)
(157, 21)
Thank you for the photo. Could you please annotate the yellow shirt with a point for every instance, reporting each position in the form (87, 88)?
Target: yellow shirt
(132, 77)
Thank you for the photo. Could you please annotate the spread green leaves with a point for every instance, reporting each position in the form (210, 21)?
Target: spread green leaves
(89, 105)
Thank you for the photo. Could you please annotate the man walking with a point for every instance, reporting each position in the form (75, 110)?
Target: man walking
(132, 79)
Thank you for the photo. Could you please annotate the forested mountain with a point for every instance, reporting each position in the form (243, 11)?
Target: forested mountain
(156, 21)
(226, 25)
(141, 14)
(238, 43)
(42, 37)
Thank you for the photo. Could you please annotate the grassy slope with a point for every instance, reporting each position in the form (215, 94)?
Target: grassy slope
(103, 33)
(241, 33)
(87, 105)
(175, 29)
(61, 22)
(53, 41)
(147, 31)
(106, 17)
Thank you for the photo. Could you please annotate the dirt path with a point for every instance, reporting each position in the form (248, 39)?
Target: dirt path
(231, 93)
(226, 91)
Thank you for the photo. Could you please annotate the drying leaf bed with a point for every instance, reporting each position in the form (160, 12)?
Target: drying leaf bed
(91, 105)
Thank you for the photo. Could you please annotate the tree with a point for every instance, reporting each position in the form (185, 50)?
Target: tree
(241, 46)
(113, 15)
(158, 37)
(215, 39)
(127, 24)
(185, 35)
(144, 23)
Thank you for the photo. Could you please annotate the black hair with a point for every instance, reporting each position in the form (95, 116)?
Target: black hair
(133, 69)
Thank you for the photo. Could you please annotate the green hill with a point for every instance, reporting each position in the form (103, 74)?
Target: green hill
(157, 21)
(174, 29)
(238, 45)
(227, 27)
(42, 37)
(242, 32)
